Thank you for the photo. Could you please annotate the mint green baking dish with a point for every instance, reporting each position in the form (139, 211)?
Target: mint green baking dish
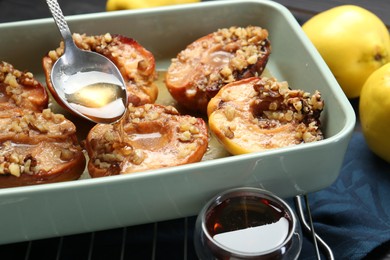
(95, 204)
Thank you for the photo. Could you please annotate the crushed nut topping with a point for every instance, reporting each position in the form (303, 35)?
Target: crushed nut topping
(21, 89)
(276, 104)
(263, 113)
(38, 125)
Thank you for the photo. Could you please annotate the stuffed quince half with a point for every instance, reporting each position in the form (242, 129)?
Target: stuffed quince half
(258, 114)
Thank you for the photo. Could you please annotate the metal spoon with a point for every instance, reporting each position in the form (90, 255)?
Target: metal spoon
(86, 82)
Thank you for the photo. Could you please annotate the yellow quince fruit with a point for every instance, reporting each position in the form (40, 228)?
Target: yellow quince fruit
(113, 5)
(374, 112)
(353, 41)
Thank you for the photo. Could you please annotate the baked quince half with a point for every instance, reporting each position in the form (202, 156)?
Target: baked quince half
(147, 137)
(20, 90)
(38, 148)
(258, 114)
(214, 60)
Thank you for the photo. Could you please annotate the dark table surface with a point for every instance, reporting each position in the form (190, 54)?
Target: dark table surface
(356, 238)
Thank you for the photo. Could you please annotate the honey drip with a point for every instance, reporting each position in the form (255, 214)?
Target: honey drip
(119, 127)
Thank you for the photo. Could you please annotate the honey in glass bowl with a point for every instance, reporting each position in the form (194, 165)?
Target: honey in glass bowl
(247, 223)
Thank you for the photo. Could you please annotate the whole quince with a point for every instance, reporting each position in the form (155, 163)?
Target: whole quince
(353, 41)
(374, 107)
(113, 5)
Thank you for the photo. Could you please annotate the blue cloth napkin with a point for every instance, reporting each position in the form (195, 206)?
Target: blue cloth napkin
(353, 214)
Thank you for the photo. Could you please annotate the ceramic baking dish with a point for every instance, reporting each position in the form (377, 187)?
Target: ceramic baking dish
(95, 204)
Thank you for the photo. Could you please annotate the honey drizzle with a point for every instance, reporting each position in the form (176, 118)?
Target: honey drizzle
(123, 138)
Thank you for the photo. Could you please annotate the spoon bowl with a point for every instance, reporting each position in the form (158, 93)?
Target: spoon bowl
(85, 82)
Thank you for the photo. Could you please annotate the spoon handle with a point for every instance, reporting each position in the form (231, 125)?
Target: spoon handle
(59, 19)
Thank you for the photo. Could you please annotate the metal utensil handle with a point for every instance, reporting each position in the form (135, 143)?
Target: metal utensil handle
(60, 21)
(309, 228)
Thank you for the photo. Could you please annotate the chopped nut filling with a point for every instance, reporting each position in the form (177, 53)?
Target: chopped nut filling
(276, 104)
(37, 125)
(255, 114)
(20, 89)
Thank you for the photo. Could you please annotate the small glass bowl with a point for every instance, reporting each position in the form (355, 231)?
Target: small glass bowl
(247, 223)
